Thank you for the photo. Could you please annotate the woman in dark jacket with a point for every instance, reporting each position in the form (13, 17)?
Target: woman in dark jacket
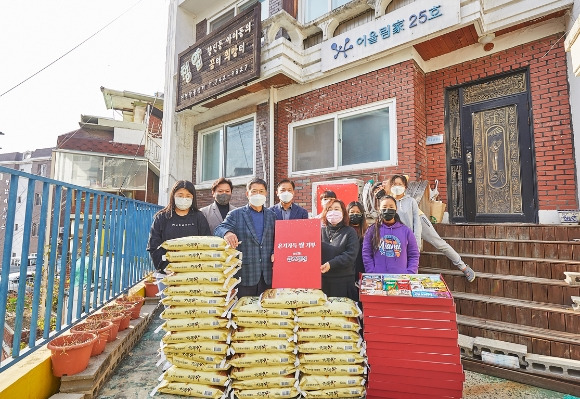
(358, 221)
(340, 246)
(180, 218)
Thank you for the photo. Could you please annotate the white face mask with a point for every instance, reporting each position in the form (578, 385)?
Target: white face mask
(397, 190)
(183, 203)
(257, 199)
(286, 196)
(334, 217)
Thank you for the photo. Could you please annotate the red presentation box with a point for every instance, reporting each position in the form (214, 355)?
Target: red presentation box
(378, 328)
(408, 374)
(410, 393)
(414, 390)
(375, 354)
(417, 368)
(425, 381)
(403, 339)
(418, 323)
(412, 348)
(377, 309)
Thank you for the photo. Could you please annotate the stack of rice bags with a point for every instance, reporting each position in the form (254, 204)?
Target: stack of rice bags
(330, 350)
(263, 351)
(200, 289)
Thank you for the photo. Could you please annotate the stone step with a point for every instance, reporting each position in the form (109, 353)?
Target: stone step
(513, 265)
(540, 341)
(526, 313)
(515, 231)
(509, 286)
(563, 250)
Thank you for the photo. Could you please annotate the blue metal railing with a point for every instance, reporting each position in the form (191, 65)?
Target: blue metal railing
(90, 247)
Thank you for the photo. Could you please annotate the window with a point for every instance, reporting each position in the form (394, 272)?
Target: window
(34, 230)
(358, 138)
(6, 190)
(41, 169)
(313, 9)
(16, 227)
(227, 150)
(37, 199)
(19, 199)
(239, 7)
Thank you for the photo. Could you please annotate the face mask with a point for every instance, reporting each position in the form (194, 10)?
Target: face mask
(334, 217)
(286, 196)
(388, 214)
(381, 193)
(355, 219)
(223, 199)
(183, 203)
(257, 199)
(397, 190)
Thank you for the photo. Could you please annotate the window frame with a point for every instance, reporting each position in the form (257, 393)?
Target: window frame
(303, 6)
(236, 7)
(222, 129)
(336, 117)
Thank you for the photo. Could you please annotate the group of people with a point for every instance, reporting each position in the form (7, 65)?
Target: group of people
(348, 245)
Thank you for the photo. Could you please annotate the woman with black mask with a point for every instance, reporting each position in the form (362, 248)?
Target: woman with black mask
(358, 221)
(389, 246)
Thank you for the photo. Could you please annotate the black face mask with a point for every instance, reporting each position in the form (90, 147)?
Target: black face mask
(355, 219)
(388, 214)
(381, 193)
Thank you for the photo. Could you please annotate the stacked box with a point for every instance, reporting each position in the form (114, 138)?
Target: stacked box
(263, 350)
(200, 290)
(330, 350)
(410, 333)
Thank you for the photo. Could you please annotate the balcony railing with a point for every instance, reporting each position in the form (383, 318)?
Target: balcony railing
(90, 247)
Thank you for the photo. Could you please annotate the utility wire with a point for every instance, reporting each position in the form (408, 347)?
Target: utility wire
(71, 50)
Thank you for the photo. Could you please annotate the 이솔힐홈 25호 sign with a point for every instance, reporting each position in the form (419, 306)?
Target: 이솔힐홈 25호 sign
(220, 61)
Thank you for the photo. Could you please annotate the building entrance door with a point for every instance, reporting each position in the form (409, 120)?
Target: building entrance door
(491, 169)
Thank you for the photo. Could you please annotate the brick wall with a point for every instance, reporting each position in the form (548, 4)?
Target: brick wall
(98, 145)
(551, 127)
(404, 81)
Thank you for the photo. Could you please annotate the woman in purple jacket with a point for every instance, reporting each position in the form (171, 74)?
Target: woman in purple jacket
(389, 246)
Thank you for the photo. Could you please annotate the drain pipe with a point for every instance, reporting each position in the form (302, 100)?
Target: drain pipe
(271, 142)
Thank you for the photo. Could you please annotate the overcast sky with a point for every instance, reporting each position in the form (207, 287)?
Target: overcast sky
(127, 55)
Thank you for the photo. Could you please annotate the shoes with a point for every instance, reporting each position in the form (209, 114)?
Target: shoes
(469, 273)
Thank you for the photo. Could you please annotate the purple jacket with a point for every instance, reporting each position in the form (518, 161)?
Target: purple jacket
(397, 253)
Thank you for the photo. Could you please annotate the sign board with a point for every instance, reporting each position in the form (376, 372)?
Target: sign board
(411, 22)
(220, 61)
(436, 139)
(346, 190)
(297, 254)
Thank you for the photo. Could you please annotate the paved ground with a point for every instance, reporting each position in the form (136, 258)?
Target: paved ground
(137, 375)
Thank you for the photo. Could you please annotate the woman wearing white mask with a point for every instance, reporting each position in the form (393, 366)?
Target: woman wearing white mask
(340, 246)
(412, 217)
(180, 218)
(325, 198)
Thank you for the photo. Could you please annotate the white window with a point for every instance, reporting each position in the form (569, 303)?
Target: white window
(312, 9)
(362, 137)
(227, 150)
(222, 19)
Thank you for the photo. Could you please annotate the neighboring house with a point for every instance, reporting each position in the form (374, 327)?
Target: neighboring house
(473, 93)
(117, 156)
(36, 162)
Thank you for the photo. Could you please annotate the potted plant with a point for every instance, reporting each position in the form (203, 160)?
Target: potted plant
(97, 317)
(125, 320)
(135, 300)
(101, 328)
(70, 353)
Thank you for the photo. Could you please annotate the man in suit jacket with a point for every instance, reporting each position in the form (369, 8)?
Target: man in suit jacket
(286, 209)
(250, 229)
(216, 212)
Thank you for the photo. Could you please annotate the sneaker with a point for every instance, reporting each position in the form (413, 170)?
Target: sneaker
(469, 273)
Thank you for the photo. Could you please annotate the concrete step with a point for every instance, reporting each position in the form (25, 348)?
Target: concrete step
(513, 265)
(509, 286)
(540, 341)
(563, 250)
(526, 313)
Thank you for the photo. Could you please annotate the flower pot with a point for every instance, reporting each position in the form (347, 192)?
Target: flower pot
(151, 289)
(101, 328)
(124, 324)
(105, 317)
(136, 301)
(70, 353)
